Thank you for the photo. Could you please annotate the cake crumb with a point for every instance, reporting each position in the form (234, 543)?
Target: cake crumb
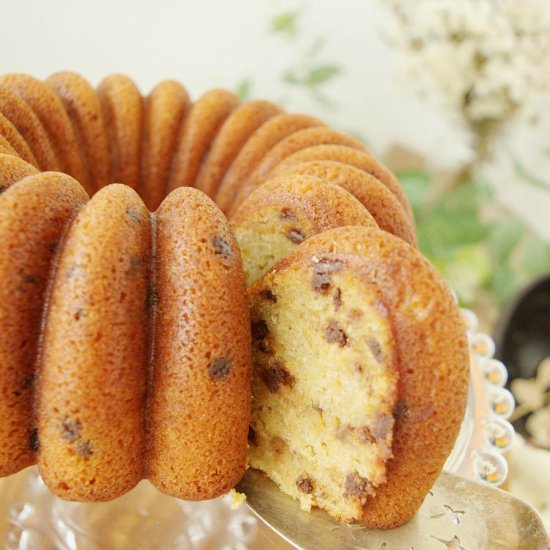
(236, 499)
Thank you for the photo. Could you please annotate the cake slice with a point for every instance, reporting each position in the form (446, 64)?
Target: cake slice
(360, 375)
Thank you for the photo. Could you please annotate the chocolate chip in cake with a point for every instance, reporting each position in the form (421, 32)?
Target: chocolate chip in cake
(222, 248)
(305, 485)
(70, 429)
(357, 486)
(376, 349)
(323, 269)
(84, 448)
(220, 367)
(134, 215)
(296, 236)
(337, 299)
(3, 188)
(34, 444)
(79, 313)
(287, 214)
(275, 375)
(259, 329)
(252, 438)
(334, 334)
(267, 293)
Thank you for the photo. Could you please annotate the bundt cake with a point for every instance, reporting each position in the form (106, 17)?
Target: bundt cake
(126, 347)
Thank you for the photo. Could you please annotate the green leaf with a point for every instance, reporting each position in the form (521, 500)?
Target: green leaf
(284, 22)
(503, 238)
(316, 47)
(321, 74)
(466, 270)
(243, 89)
(416, 184)
(536, 256)
(504, 283)
(291, 77)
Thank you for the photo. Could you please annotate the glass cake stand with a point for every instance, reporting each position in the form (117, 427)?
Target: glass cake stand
(32, 518)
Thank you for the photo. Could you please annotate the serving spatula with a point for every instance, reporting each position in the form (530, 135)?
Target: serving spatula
(457, 514)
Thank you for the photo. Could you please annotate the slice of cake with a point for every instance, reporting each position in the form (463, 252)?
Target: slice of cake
(360, 375)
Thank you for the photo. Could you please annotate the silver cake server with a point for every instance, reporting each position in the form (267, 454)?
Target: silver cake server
(457, 514)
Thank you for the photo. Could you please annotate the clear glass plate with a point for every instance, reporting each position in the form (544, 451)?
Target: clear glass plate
(32, 518)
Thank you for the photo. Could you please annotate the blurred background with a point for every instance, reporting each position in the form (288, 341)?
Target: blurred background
(453, 96)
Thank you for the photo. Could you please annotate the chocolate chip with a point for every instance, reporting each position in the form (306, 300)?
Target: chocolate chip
(287, 214)
(34, 444)
(70, 429)
(268, 295)
(84, 448)
(337, 299)
(3, 188)
(222, 248)
(334, 334)
(296, 236)
(260, 330)
(382, 426)
(220, 367)
(252, 438)
(376, 349)
(305, 485)
(357, 486)
(323, 269)
(275, 375)
(79, 314)
(134, 215)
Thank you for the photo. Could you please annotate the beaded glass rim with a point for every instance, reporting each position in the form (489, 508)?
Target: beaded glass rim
(485, 434)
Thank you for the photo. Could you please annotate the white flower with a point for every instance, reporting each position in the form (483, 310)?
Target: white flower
(484, 58)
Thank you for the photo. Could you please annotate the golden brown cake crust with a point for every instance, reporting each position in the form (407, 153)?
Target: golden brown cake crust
(84, 109)
(257, 146)
(233, 134)
(51, 113)
(432, 360)
(13, 169)
(123, 112)
(353, 157)
(95, 350)
(302, 139)
(34, 214)
(201, 125)
(6, 148)
(16, 141)
(200, 405)
(373, 194)
(18, 112)
(165, 108)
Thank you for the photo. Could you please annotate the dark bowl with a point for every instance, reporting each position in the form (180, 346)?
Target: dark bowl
(522, 335)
